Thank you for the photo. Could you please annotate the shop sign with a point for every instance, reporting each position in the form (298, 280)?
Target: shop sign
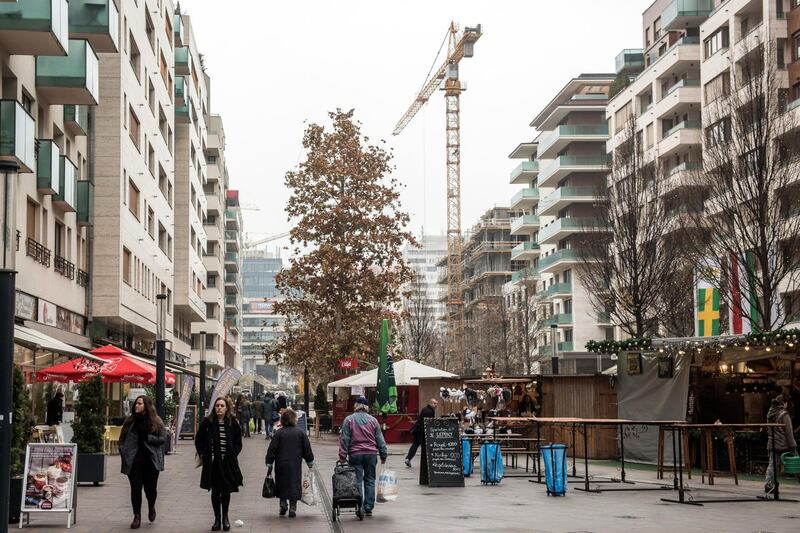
(348, 363)
(47, 313)
(25, 306)
(49, 480)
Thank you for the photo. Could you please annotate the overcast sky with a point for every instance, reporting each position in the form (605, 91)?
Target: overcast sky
(274, 65)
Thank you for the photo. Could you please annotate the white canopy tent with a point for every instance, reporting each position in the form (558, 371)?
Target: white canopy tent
(406, 372)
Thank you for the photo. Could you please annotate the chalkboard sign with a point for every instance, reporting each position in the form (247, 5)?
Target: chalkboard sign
(443, 453)
(189, 422)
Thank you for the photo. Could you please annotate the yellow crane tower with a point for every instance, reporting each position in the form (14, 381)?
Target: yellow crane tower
(460, 45)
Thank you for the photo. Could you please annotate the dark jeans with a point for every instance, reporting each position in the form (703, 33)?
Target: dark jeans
(244, 424)
(365, 474)
(269, 424)
(143, 475)
(412, 451)
(258, 424)
(220, 500)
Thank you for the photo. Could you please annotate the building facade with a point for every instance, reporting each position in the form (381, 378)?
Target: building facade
(261, 327)
(423, 261)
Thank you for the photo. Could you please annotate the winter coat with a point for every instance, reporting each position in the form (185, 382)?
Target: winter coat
(282, 402)
(784, 436)
(270, 406)
(287, 450)
(361, 435)
(418, 429)
(55, 412)
(222, 474)
(129, 443)
(258, 409)
(244, 411)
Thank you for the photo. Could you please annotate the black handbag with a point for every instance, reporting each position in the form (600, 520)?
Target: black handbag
(268, 490)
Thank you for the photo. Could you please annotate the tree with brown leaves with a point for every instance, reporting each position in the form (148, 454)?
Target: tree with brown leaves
(347, 268)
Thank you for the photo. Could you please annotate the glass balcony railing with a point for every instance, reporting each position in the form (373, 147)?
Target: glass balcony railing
(180, 85)
(231, 257)
(525, 220)
(574, 224)
(72, 79)
(48, 167)
(629, 59)
(561, 319)
(183, 61)
(597, 96)
(579, 131)
(523, 248)
(528, 167)
(686, 124)
(97, 21)
(527, 194)
(76, 119)
(17, 140)
(604, 317)
(525, 273)
(85, 200)
(67, 185)
(566, 193)
(547, 349)
(177, 30)
(680, 84)
(558, 288)
(567, 254)
(685, 166)
(680, 12)
(573, 163)
(35, 27)
(183, 112)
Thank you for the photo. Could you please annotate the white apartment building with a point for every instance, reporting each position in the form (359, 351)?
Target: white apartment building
(423, 261)
(234, 286)
(561, 169)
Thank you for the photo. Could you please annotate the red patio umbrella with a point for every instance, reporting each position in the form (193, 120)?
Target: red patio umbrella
(120, 367)
(75, 370)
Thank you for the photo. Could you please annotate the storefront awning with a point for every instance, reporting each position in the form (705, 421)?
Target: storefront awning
(39, 341)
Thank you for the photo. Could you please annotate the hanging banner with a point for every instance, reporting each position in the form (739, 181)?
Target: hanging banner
(707, 299)
(744, 312)
(229, 377)
(49, 483)
(186, 391)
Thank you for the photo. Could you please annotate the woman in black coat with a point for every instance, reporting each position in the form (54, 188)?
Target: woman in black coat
(287, 450)
(218, 442)
(141, 448)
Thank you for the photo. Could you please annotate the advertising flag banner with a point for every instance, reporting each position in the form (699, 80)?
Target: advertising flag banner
(744, 312)
(707, 299)
(386, 398)
(186, 392)
(229, 377)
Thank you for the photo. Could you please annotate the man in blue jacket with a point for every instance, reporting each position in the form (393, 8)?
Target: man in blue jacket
(360, 442)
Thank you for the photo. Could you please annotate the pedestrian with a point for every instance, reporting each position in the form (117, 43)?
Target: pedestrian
(784, 437)
(141, 448)
(287, 450)
(360, 441)
(218, 442)
(55, 410)
(243, 407)
(269, 410)
(282, 402)
(258, 412)
(418, 431)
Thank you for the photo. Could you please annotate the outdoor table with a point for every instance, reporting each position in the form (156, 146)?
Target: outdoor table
(609, 422)
(677, 466)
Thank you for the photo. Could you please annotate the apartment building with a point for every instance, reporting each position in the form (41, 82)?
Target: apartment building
(49, 69)
(260, 325)
(423, 260)
(561, 170)
(234, 287)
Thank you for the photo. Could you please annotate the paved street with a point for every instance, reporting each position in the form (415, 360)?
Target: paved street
(514, 505)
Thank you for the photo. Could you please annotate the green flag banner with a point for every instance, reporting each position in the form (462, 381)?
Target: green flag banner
(386, 398)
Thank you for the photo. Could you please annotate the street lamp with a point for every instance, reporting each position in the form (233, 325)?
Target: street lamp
(554, 358)
(202, 373)
(161, 353)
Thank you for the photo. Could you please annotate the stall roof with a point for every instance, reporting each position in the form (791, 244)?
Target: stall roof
(406, 372)
(39, 341)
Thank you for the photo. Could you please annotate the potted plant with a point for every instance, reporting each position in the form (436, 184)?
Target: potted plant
(88, 430)
(20, 435)
(322, 408)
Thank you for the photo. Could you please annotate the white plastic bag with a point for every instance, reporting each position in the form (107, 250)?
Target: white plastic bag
(309, 488)
(387, 486)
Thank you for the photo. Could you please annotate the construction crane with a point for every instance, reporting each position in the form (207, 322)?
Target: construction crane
(460, 45)
(253, 244)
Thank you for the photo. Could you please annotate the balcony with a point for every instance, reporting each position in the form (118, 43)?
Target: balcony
(85, 198)
(604, 318)
(180, 91)
(547, 349)
(578, 102)
(183, 61)
(232, 240)
(525, 225)
(233, 283)
(96, 21)
(64, 267)
(564, 227)
(17, 136)
(553, 142)
(630, 60)
(65, 198)
(525, 251)
(38, 252)
(681, 176)
(177, 30)
(525, 199)
(558, 258)
(682, 135)
(183, 112)
(529, 273)
(558, 290)
(47, 167)
(678, 99)
(73, 79)
(231, 219)
(83, 278)
(561, 319)
(231, 262)
(565, 165)
(524, 173)
(686, 49)
(682, 14)
(564, 196)
(76, 119)
(34, 27)
(232, 303)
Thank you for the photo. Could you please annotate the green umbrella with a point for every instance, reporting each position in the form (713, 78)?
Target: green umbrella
(386, 399)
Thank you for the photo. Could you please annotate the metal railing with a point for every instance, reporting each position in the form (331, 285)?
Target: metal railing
(83, 278)
(64, 267)
(38, 251)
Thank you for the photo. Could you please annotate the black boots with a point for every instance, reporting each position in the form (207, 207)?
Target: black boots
(292, 509)
(226, 525)
(137, 521)
(216, 526)
(151, 513)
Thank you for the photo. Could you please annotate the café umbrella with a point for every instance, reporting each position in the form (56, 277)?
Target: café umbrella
(386, 397)
(119, 367)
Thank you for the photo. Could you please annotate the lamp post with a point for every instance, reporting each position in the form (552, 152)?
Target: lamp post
(161, 353)
(554, 358)
(7, 301)
(202, 396)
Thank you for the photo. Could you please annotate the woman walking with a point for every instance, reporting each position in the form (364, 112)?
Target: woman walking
(243, 407)
(218, 442)
(141, 448)
(287, 450)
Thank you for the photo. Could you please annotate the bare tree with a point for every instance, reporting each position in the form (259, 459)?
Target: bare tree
(523, 318)
(750, 179)
(420, 327)
(629, 267)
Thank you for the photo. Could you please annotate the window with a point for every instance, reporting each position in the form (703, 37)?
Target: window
(211, 279)
(162, 237)
(168, 25)
(151, 160)
(133, 127)
(715, 43)
(126, 266)
(211, 310)
(45, 226)
(647, 37)
(719, 132)
(567, 306)
(169, 246)
(163, 69)
(151, 96)
(151, 218)
(136, 57)
(150, 30)
(169, 193)
(657, 28)
(30, 220)
(58, 244)
(133, 199)
(719, 86)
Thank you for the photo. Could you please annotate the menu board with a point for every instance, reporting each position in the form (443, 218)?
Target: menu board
(189, 424)
(49, 478)
(443, 453)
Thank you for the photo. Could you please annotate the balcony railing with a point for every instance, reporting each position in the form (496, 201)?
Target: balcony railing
(558, 288)
(525, 220)
(183, 61)
(524, 167)
(85, 200)
(38, 251)
(17, 135)
(64, 267)
(679, 10)
(680, 84)
(67, 185)
(76, 119)
(48, 167)
(580, 162)
(72, 79)
(526, 194)
(231, 257)
(83, 278)
(684, 125)
(566, 254)
(523, 247)
(525, 273)
(35, 27)
(97, 21)
(685, 166)
(564, 193)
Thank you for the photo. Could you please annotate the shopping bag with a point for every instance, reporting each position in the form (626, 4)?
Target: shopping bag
(387, 486)
(268, 490)
(252, 426)
(309, 496)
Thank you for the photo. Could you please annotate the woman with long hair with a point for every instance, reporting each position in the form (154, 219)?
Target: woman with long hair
(141, 448)
(218, 442)
(287, 450)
